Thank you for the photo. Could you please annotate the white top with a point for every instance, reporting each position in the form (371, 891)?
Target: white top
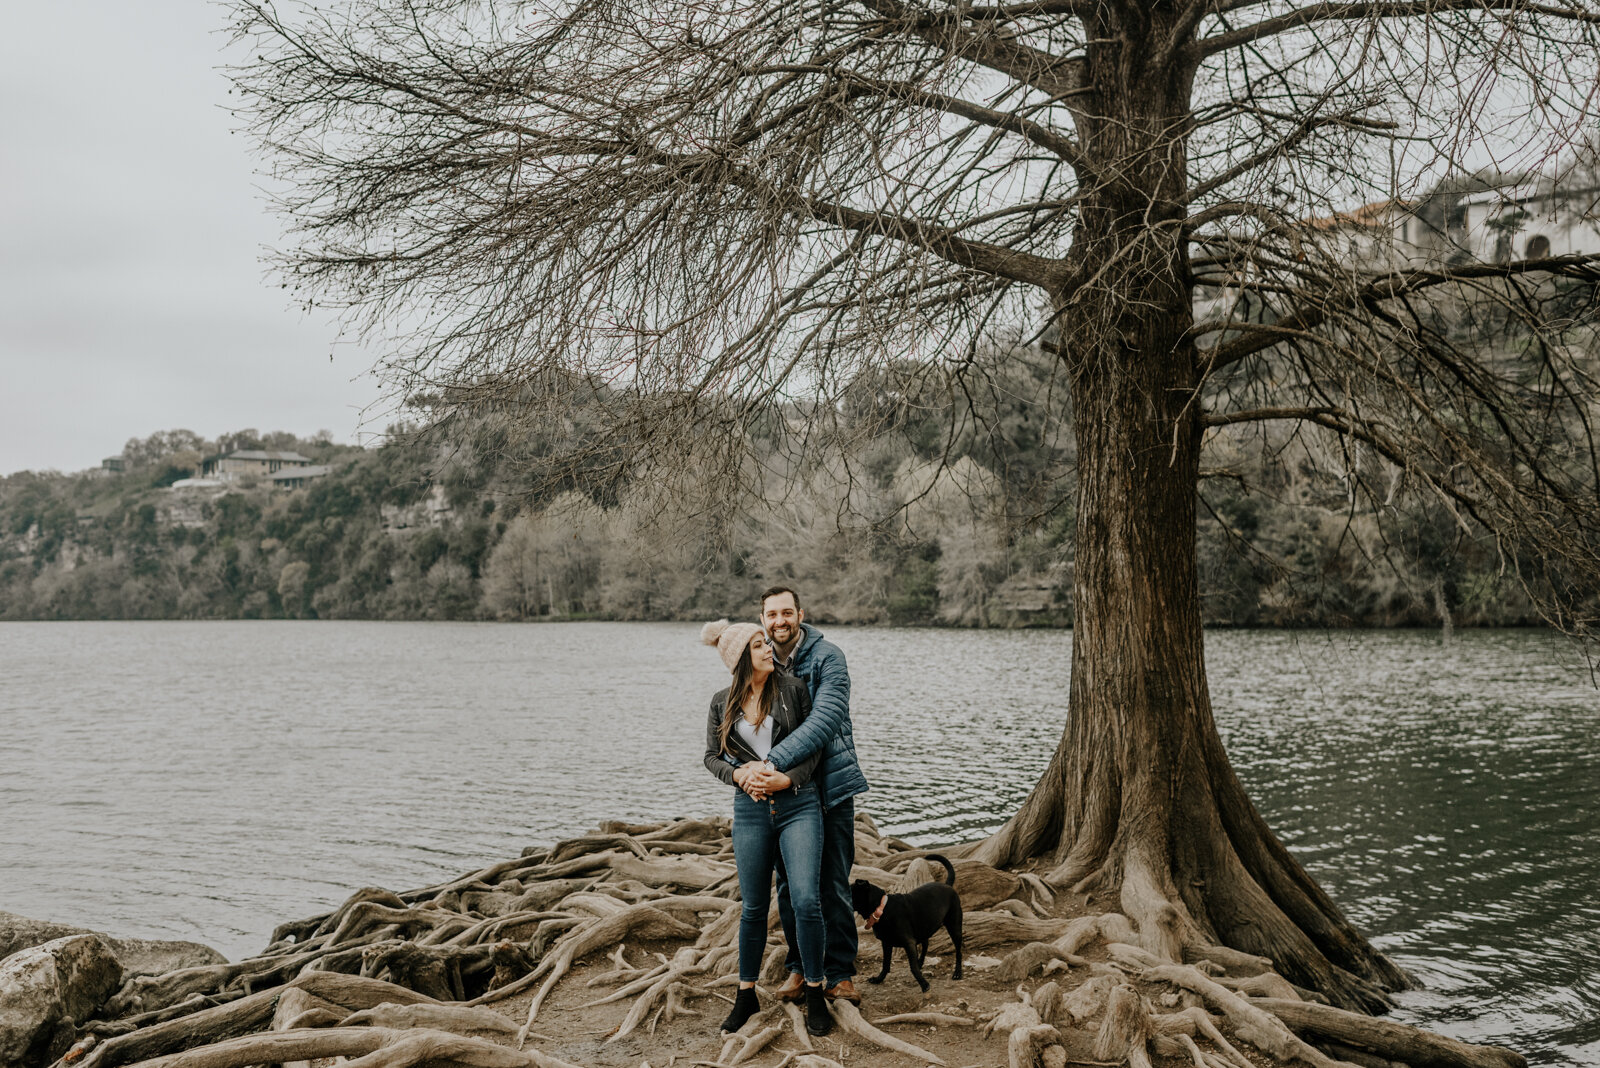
(759, 739)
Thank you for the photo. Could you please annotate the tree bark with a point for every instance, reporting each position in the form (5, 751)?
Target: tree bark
(1140, 801)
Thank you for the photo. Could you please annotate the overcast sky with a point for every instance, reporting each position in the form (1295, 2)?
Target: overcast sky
(132, 293)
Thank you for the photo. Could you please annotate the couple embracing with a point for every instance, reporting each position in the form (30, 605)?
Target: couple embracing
(781, 734)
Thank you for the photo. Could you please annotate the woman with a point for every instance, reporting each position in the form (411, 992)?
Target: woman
(747, 719)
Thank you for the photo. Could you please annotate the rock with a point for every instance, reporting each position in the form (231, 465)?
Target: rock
(144, 956)
(47, 988)
(138, 956)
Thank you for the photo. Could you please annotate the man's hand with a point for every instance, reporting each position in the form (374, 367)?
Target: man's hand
(770, 781)
(747, 777)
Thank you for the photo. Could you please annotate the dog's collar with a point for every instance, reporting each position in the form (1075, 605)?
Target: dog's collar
(877, 913)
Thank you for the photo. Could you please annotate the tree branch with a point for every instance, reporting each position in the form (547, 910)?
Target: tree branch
(1031, 66)
(1388, 9)
(1063, 147)
(1387, 287)
(997, 260)
(1008, 12)
(1303, 129)
(1343, 423)
(1261, 415)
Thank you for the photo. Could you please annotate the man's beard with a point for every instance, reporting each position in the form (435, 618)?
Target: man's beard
(783, 634)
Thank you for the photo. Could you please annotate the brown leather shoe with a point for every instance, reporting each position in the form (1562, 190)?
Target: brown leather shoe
(845, 991)
(791, 989)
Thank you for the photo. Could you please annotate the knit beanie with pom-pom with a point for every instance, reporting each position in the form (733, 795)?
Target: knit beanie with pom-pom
(730, 639)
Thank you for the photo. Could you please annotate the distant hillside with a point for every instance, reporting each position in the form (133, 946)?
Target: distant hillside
(457, 530)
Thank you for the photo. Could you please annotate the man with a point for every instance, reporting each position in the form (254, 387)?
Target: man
(799, 649)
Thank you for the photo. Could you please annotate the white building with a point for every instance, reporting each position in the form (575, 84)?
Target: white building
(259, 462)
(1533, 220)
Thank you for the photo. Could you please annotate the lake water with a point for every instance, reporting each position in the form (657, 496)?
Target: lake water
(210, 780)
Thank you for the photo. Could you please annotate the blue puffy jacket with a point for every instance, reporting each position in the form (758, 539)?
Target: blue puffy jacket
(821, 664)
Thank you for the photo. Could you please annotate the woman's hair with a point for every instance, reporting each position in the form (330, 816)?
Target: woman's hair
(743, 678)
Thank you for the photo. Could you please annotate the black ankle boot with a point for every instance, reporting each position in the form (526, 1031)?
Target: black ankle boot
(744, 1007)
(819, 1021)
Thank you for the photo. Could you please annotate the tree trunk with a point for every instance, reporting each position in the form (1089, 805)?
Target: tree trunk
(1140, 801)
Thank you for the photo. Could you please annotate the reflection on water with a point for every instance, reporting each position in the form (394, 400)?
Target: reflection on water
(210, 780)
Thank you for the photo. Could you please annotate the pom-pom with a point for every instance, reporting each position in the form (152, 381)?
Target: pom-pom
(712, 631)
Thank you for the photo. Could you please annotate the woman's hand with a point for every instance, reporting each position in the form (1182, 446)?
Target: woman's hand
(771, 781)
(747, 778)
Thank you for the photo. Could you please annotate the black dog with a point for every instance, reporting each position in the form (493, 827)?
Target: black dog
(909, 920)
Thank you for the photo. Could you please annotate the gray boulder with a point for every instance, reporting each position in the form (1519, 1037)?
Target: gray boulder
(138, 956)
(47, 989)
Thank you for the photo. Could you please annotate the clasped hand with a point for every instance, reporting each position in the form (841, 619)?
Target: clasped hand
(754, 779)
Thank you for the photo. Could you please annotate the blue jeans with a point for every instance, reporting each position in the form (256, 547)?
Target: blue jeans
(838, 915)
(785, 829)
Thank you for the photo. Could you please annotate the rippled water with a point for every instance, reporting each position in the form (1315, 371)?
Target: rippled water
(210, 780)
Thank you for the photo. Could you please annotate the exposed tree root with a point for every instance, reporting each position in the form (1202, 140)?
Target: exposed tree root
(1021, 963)
(936, 1019)
(368, 1047)
(634, 921)
(798, 1023)
(1035, 1047)
(754, 1044)
(1125, 1029)
(1254, 1025)
(1386, 1039)
(402, 980)
(1196, 1021)
(850, 1019)
(459, 1018)
(682, 965)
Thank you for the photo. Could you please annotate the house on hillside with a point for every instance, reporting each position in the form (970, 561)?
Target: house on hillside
(298, 477)
(1383, 235)
(1481, 218)
(241, 462)
(1532, 220)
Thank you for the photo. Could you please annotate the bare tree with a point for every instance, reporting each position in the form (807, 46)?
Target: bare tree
(717, 206)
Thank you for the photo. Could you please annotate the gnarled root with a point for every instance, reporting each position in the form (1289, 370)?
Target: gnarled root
(1125, 1029)
(369, 1047)
(1086, 1000)
(1035, 1047)
(1251, 1023)
(754, 1044)
(247, 1014)
(1021, 963)
(458, 1018)
(1012, 1015)
(798, 1023)
(933, 1019)
(981, 930)
(682, 965)
(635, 921)
(1385, 1038)
(850, 1019)
(1193, 1021)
